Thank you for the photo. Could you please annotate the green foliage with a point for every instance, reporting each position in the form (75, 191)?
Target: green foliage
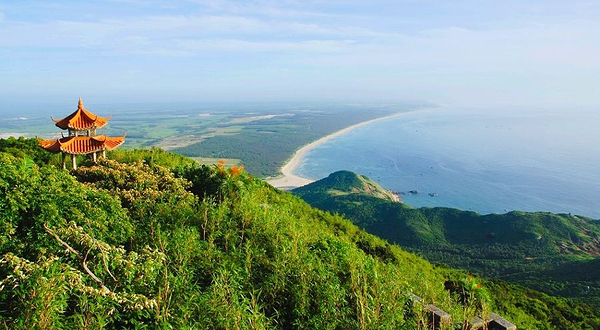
(153, 198)
(26, 148)
(59, 239)
(151, 156)
(34, 196)
(139, 245)
(160, 257)
(542, 311)
(554, 253)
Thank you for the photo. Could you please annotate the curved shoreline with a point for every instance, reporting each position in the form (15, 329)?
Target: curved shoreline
(288, 180)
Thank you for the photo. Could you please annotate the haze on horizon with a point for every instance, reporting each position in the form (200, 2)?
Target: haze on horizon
(467, 52)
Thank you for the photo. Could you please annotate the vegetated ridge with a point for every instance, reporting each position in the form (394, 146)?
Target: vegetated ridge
(554, 253)
(162, 242)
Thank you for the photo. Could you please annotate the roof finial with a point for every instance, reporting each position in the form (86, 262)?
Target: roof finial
(80, 105)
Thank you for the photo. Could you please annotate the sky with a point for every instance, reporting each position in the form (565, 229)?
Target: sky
(532, 53)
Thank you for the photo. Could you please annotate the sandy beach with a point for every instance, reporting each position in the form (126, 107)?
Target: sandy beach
(288, 180)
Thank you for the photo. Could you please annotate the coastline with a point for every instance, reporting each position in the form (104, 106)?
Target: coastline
(288, 180)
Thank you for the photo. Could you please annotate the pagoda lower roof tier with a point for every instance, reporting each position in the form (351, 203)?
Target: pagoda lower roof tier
(81, 145)
(81, 119)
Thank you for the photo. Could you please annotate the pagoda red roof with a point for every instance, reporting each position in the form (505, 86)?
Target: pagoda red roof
(81, 145)
(81, 119)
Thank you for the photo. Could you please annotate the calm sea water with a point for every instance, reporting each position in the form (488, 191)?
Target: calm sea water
(486, 161)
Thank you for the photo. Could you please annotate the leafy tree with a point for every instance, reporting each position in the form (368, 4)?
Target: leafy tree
(25, 148)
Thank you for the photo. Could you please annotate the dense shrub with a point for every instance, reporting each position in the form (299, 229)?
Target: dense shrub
(139, 245)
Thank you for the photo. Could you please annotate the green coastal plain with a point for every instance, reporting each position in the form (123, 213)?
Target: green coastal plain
(261, 138)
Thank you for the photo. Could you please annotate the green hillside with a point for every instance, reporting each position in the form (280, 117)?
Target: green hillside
(344, 183)
(553, 253)
(170, 245)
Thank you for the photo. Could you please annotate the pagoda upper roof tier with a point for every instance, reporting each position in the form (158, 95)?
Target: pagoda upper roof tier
(81, 145)
(81, 119)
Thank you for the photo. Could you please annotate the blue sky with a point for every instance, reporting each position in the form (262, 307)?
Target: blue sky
(472, 53)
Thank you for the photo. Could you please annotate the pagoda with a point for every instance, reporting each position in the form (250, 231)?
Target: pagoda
(82, 139)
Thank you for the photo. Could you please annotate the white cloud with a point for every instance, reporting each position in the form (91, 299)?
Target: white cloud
(161, 31)
(236, 45)
(301, 38)
(276, 9)
(203, 24)
(104, 32)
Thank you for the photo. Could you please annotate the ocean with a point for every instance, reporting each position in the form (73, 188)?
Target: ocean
(485, 161)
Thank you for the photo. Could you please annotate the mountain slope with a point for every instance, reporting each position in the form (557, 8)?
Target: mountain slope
(534, 249)
(118, 245)
(131, 245)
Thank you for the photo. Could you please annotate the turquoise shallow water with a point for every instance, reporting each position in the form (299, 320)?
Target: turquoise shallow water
(486, 161)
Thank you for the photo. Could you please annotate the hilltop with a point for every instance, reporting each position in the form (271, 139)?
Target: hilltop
(157, 241)
(537, 249)
(347, 185)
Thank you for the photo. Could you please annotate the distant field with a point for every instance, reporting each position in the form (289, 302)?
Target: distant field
(260, 138)
(266, 142)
